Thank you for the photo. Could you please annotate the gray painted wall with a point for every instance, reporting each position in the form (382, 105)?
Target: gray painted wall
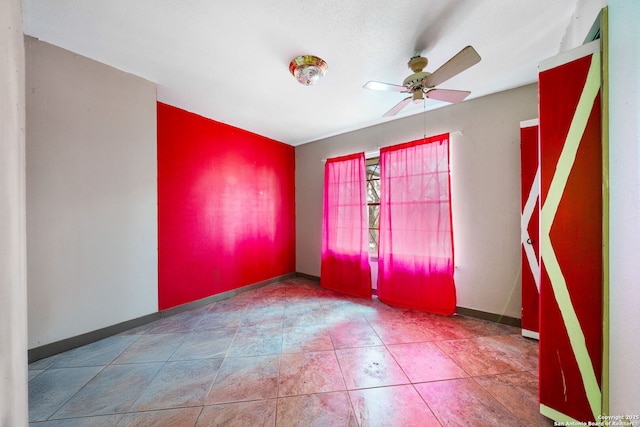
(624, 205)
(91, 194)
(485, 193)
(13, 279)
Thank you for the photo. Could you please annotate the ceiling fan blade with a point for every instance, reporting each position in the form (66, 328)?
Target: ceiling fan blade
(399, 106)
(464, 59)
(446, 95)
(384, 86)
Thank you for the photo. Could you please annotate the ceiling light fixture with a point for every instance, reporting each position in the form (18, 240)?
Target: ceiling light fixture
(308, 69)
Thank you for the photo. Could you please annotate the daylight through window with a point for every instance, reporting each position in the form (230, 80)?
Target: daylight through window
(373, 201)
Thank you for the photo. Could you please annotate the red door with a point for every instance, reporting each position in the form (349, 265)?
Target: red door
(529, 225)
(571, 235)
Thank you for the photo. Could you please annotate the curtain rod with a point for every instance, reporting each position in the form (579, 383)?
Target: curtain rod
(373, 153)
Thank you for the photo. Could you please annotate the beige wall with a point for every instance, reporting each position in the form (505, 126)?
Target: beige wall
(13, 281)
(485, 180)
(91, 194)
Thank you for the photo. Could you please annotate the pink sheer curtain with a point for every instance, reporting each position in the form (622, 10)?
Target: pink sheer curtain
(345, 257)
(415, 251)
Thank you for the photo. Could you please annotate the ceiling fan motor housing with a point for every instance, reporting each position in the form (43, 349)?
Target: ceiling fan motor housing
(417, 63)
(414, 82)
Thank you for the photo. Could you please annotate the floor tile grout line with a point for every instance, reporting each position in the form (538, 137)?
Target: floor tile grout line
(148, 385)
(227, 356)
(280, 363)
(198, 417)
(282, 300)
(411, 383)
(119, 414)
(164, 364)
(78, 391)
(133, 401)
(391, 354)
(427, 403)
(151, 410)
(494, 397)
(344, 381)
(103, 367)
(462, 367)
(446, 353)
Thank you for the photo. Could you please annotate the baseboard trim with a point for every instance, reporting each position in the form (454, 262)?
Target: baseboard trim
(222, 296)
(497, 318)
(308, 277)
(67, 344)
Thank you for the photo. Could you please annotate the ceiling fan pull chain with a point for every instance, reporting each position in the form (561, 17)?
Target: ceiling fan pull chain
(424, 119)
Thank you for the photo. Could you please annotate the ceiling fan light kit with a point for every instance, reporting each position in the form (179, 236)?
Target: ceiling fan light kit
(308, 69)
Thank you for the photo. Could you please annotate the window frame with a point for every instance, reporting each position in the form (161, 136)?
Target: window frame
(371, 155)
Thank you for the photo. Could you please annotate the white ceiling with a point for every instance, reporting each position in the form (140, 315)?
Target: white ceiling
(228, 59)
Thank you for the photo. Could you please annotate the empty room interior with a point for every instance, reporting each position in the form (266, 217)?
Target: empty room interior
(303, 213)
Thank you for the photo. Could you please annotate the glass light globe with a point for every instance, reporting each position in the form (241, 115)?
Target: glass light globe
(308, 69)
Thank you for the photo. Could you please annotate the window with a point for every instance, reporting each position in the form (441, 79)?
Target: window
(405, 227)
(373, 202)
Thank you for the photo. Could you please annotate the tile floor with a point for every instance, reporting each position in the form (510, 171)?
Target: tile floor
(294, 354)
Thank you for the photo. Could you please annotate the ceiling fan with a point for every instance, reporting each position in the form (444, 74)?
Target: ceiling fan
(422, 84)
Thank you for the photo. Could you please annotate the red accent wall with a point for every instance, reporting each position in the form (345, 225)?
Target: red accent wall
(226, 207)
